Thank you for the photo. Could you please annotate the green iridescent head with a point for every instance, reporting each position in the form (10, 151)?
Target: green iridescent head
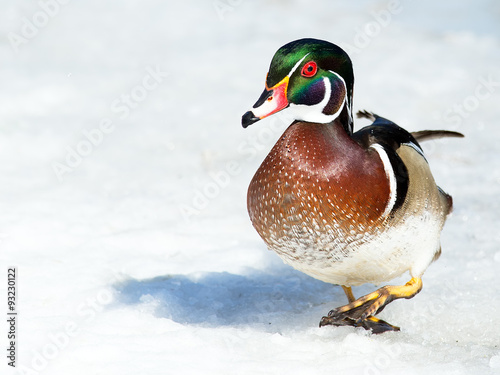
(313, 78)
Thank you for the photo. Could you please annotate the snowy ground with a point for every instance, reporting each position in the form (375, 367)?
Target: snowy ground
(124, 171)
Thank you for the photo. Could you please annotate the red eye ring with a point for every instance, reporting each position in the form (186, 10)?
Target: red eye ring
(309, 69)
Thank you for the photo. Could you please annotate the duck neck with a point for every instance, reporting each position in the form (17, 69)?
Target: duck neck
(345, 119)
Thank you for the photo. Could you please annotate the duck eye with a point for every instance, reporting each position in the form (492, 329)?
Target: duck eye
(309, 69)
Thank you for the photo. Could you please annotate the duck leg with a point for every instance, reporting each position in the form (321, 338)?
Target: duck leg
(359, 313)
(348, 293)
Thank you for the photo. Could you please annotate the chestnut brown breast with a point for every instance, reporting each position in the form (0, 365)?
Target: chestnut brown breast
(317, 187)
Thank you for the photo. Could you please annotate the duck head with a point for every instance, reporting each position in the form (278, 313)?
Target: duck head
(311, 77)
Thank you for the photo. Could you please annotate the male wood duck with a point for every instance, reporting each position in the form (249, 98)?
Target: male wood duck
(344, 207)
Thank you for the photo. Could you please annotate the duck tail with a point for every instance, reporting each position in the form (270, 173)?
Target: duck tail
(426, 135)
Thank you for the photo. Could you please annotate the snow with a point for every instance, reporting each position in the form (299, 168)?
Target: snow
(124, 175)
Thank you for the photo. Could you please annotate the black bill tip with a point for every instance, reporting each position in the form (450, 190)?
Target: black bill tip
(248, 119)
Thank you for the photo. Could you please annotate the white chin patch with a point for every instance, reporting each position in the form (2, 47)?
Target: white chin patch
(266, 108)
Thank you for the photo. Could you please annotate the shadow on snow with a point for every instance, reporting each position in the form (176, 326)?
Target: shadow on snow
(221, 298)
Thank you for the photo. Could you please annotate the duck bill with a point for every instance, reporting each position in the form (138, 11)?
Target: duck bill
(271, 101)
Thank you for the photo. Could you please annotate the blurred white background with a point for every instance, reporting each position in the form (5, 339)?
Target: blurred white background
(124, 171)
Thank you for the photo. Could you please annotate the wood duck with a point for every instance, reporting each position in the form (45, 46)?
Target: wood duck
(344, 207)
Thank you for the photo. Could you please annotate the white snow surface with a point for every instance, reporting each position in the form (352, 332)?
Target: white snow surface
(135, 253)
